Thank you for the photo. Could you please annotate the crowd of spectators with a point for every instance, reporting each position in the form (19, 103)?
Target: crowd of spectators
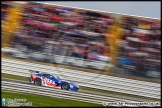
(4, 10)
(64, 29)
(82, 33)
(140, 46)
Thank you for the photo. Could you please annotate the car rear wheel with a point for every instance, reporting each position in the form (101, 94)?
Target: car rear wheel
(65, 86)
(37, 82)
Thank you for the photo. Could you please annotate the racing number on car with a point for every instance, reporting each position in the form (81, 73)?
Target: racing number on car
(52, 83)
(49, 82)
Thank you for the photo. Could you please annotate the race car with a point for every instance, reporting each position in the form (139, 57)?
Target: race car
(51, 80)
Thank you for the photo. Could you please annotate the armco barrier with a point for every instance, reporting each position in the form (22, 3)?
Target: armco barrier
(86, 79)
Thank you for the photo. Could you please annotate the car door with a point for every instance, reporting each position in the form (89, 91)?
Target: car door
(54, 81)
(50, 80)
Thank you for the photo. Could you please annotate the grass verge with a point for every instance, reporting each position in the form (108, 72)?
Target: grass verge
(85, 88)
(40, 101)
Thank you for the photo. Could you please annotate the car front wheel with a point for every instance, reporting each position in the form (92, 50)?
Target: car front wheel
(65, 86)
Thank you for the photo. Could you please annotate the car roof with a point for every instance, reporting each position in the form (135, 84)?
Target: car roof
(47, 73)
(43, 73)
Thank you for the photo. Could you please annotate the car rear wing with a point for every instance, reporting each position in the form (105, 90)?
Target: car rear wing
(32, 71)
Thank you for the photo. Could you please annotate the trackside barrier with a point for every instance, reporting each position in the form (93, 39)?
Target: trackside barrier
(86, 79)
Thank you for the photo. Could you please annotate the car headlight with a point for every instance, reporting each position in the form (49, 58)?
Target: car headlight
(71, 86)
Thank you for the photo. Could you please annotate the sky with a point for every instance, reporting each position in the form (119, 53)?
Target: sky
(145, 9)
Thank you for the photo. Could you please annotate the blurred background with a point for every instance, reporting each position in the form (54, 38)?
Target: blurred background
(48, 33)
(91, 41)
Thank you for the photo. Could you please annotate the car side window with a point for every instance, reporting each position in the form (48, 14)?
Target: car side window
(51, 76)
(46, 75)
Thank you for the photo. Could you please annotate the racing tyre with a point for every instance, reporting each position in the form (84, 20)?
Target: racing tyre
(38, 82)
(65, 86)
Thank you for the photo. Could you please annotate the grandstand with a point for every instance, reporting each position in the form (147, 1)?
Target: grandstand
(85, 35)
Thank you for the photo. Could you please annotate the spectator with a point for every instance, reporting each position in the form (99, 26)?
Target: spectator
(140, 44)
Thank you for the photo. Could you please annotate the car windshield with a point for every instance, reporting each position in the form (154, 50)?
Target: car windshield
(56, 77)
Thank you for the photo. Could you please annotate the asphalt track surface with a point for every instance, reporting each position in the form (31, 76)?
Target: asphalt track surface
(81, 95)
